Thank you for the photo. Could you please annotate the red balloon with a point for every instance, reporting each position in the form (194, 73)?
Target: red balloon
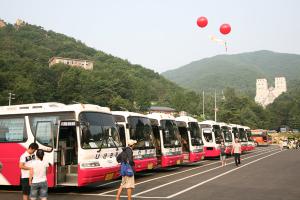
(225, 29)
(202, 22)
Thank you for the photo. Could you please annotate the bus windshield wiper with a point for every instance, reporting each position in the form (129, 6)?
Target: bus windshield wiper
(113, 141)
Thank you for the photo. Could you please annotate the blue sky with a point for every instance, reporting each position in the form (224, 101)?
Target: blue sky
(162, 34)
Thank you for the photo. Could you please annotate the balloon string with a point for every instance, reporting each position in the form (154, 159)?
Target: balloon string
(226, 46)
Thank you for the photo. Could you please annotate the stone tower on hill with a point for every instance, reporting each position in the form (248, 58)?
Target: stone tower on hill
(264, 95)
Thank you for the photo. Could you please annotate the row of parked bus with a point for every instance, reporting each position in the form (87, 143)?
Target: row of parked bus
(82, 141)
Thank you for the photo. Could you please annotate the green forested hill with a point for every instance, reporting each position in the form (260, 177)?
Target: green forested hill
(238, 71)
(24, 71)
(114, 82)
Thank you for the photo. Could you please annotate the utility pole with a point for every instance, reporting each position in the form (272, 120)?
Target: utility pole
(10, 97)
(203, 104)
(215, 106)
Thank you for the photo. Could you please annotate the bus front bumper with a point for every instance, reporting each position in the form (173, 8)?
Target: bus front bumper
(211, 152)
(167, 161)
(88, 176)
(145, 164)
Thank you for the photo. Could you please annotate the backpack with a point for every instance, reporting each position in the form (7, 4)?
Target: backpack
(122, 157)
(126, 169)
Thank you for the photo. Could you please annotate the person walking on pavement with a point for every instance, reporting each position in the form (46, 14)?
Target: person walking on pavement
(281, 145)
(127, 181)
(237, 150)
(38, 177)
(25, 165)
(223, 154)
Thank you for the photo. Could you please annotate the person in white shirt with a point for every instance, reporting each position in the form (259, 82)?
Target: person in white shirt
(237, 150)
(24, 164)
(38, 177)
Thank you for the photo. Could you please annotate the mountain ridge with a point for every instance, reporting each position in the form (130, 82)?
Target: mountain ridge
(226, 69)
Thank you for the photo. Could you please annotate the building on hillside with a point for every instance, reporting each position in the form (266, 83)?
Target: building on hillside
(183, 113)
(85, 64)
(265, 95)
(162, 109)
(2, 23)
(19, 22)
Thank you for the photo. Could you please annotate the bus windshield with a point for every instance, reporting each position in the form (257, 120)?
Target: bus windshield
(170, 133)
(98, 131)
(243, 136)
(218, 134)
(207, 134)
(227, 134)
(195, 134)
(141, 131)
(235, 132)
(249, 135)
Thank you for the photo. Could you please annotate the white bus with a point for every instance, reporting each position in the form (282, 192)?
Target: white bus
(251, 144)
(226, 131)
(80, 141)
(234, 131)
(167, 139)
(135, 126)
(212, 137)
(191, 140)
(243, 137)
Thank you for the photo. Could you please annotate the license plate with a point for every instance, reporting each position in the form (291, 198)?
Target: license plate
(109, 176)
(150, 166)
(178, 162)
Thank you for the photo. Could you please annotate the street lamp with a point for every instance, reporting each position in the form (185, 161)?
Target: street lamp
(10, 97)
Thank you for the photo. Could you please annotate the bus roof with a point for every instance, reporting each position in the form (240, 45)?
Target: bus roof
(128, 114)
(208, 122)
(233, 125)
(161, 116)
(186, 119)
(50, 107)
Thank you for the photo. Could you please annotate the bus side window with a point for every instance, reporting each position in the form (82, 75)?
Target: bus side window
(13, 129)
(44, 134)
(121, 130)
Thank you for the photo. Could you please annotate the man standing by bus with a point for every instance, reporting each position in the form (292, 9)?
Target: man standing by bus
(24, 164)
(237, 150)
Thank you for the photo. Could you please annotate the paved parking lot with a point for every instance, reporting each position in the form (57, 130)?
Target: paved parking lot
(266, 173)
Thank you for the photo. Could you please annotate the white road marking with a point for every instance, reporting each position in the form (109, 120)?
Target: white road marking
(220, 175)
(109, 183)
(177, 180)
(141, 197)
(213, 163)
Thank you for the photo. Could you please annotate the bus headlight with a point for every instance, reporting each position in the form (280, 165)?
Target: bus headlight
(90, 164)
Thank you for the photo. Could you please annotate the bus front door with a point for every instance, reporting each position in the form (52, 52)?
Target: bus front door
(157, 143)
(67, 154)
(185, 143)
(45, 136)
